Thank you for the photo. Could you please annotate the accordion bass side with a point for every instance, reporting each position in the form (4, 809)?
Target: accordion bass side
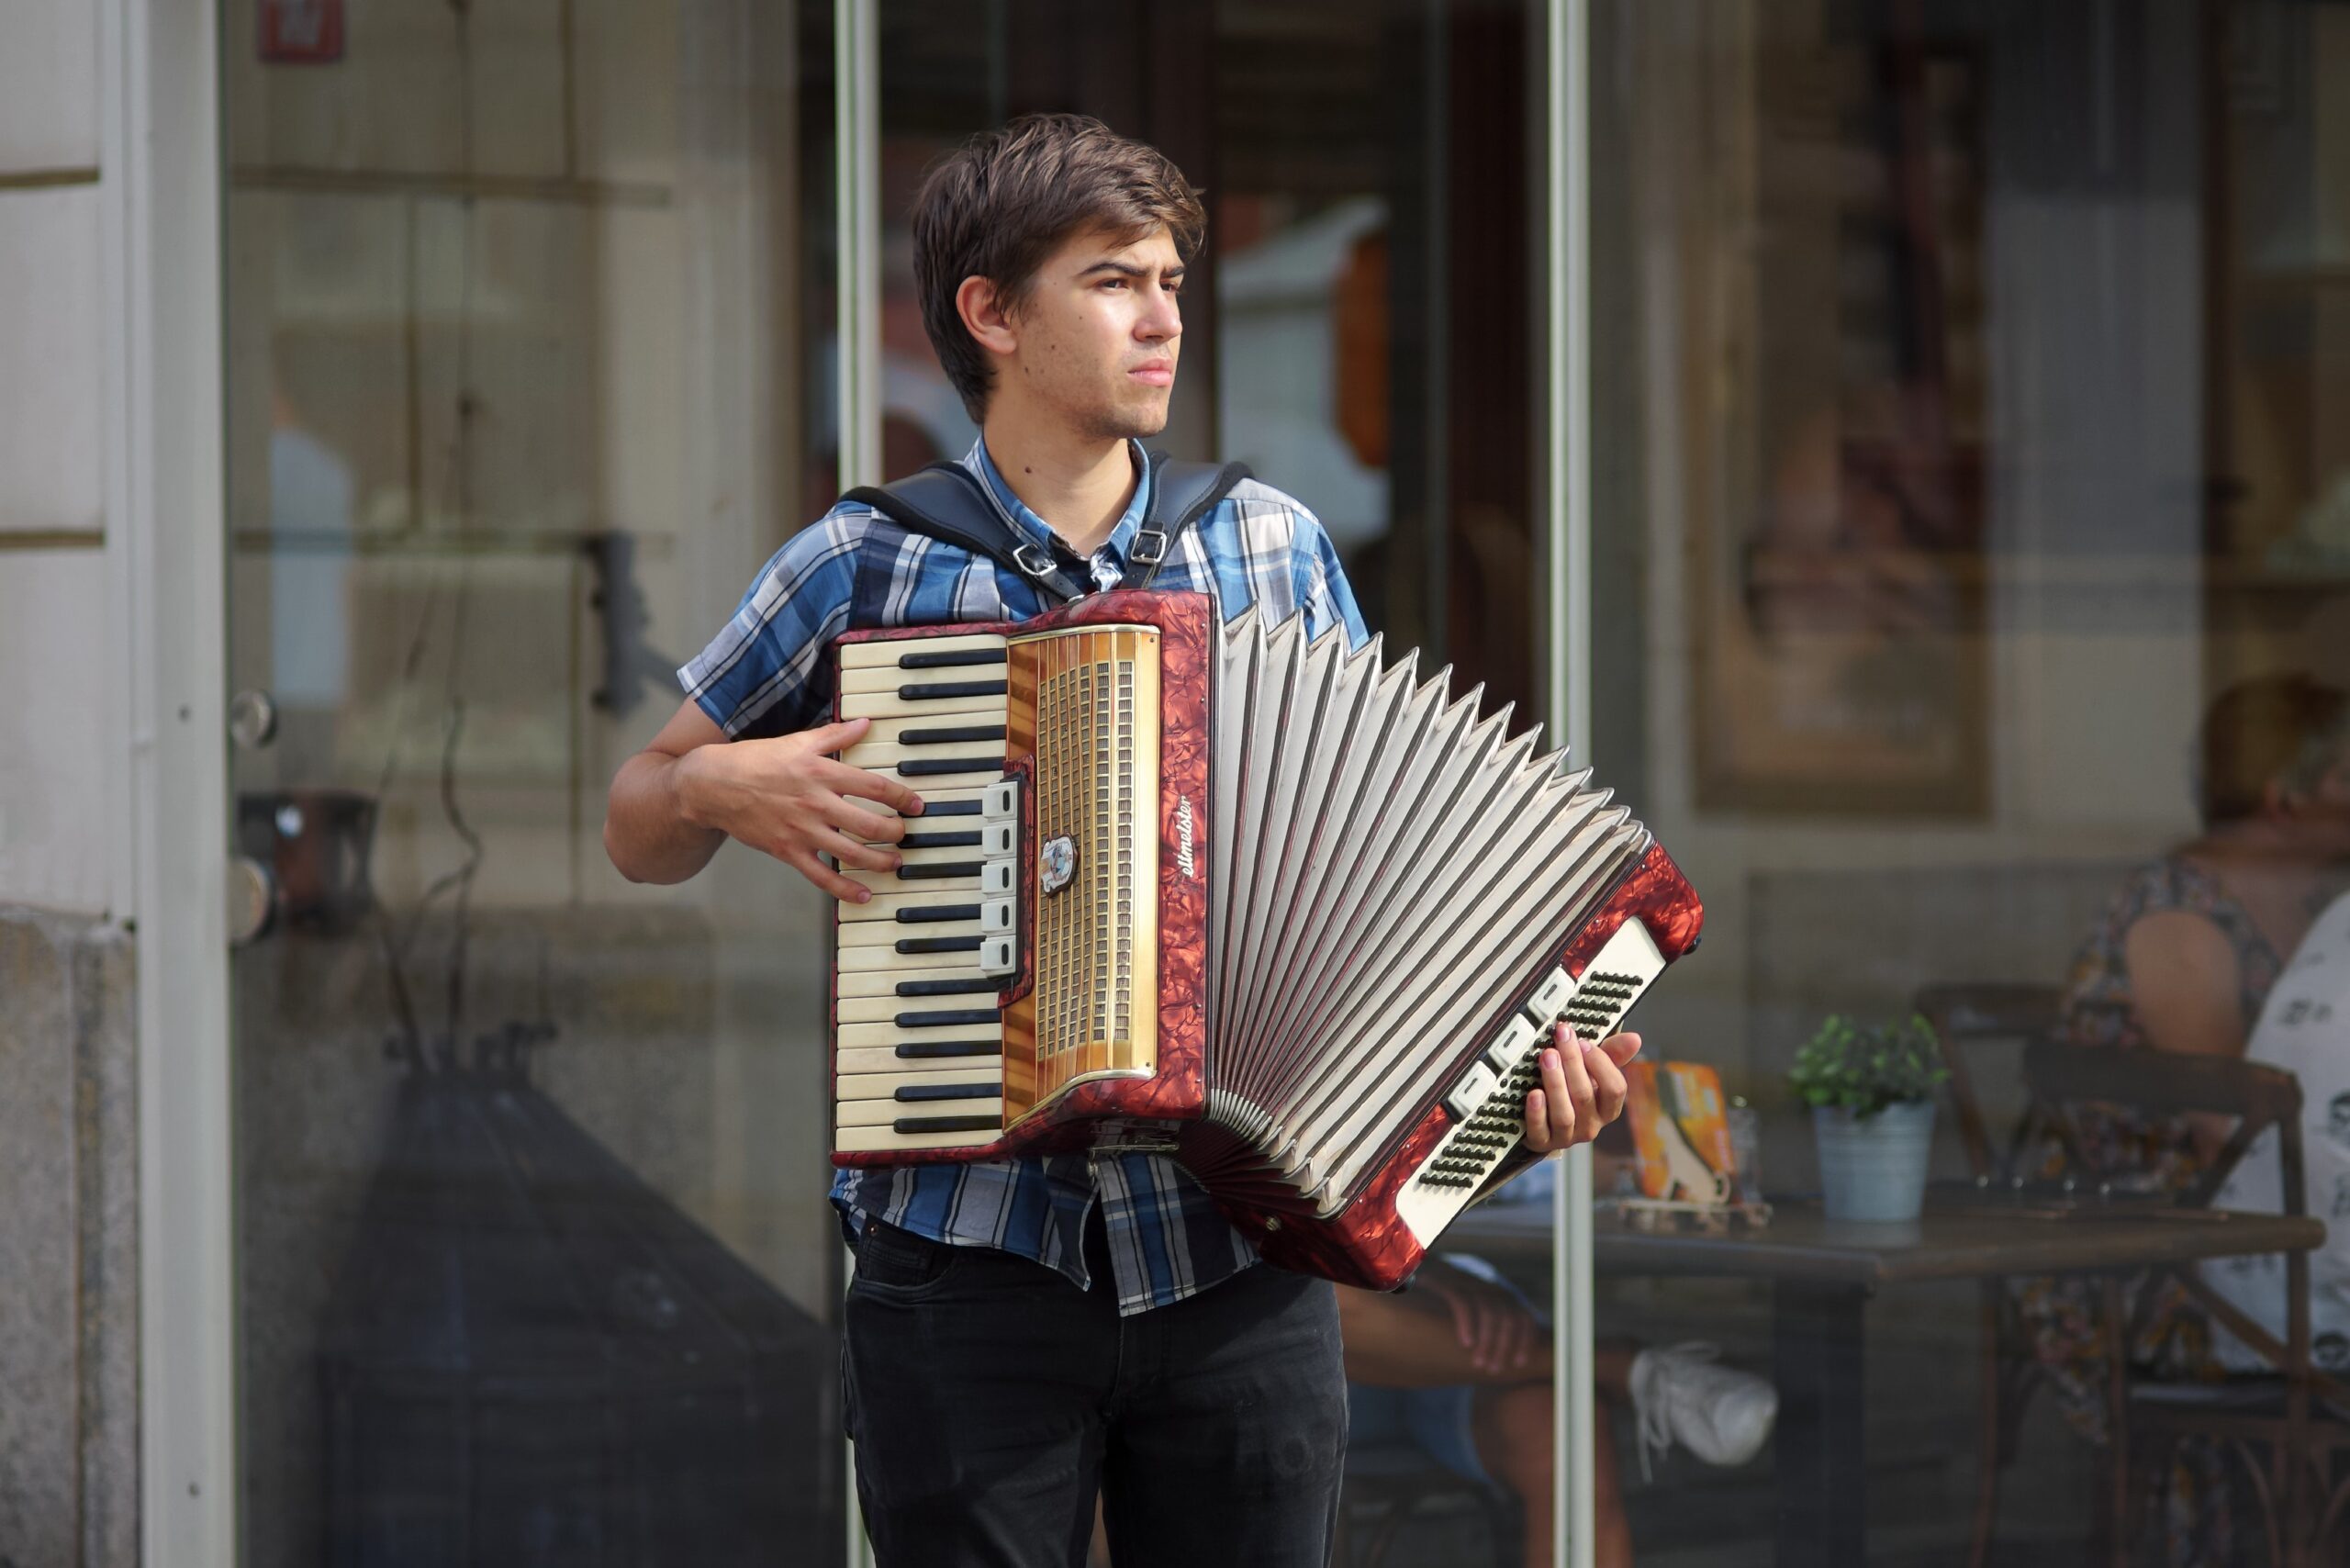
(1292, 913)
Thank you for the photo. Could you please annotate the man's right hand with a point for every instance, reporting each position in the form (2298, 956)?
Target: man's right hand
(674, 803)
(785, 796)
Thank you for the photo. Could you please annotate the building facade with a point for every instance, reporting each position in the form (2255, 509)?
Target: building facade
(1874, 430)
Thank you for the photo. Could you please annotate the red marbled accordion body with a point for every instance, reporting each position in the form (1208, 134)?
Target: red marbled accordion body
(1366, 1242)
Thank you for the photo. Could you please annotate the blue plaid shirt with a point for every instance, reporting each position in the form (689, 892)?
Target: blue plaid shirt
(766, 674)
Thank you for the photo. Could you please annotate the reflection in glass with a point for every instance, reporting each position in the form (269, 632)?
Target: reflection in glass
(534, 1264)
(1958, 371)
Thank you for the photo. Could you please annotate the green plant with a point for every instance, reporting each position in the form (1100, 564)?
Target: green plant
(1863, 1068)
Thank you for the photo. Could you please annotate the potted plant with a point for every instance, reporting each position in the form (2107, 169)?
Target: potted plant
(1871, 1089)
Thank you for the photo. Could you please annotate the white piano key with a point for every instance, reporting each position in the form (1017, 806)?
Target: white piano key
(881, 1113)
(861, 1012)
(884, 906)
(853, 1036)
(931, 795)
(883, 882)
(888, 704)
(885, 1058)
(893, 679)
(891, 731)
(875, 1140)
(884, 957)
(884, 654)
(888, 934)
(874, 756)
(855, 983)
(985, 1072)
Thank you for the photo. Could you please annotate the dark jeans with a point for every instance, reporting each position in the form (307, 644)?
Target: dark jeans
(991, 1400)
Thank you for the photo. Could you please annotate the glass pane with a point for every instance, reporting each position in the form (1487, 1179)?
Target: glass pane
(534, 1264)
(1357, 332)
(1966, 376)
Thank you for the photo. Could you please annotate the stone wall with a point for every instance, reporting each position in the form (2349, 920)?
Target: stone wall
(69, 1244)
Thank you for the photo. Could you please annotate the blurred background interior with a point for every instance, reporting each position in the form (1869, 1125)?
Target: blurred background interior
(1971, 406)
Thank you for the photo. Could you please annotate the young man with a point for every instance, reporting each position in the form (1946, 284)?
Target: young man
(1021, 1334)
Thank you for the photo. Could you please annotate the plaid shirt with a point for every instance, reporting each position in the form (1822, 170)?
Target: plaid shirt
(766, 674)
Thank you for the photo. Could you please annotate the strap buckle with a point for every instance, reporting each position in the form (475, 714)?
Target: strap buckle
(1041, 567)
(1150, 547)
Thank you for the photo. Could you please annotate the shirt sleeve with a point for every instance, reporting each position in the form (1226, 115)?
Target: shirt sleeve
(765, 673)
(1322, 587)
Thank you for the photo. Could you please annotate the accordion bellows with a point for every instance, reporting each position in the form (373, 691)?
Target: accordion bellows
(1293, 913)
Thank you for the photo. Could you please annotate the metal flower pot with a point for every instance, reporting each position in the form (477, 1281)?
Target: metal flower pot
(1874, 1168)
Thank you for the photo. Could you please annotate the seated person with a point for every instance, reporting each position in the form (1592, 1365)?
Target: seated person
(2183, 960)
(1459, 1365)
(2305, 1029)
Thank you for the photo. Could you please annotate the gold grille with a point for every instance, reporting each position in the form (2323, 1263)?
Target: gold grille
(1085, 702)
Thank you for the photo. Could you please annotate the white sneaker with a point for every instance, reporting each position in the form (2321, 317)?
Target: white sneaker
(1721, 1414)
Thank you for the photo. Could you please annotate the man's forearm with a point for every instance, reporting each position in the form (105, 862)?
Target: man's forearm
(647, 831)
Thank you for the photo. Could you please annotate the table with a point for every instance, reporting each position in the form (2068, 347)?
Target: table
(1822, 1273)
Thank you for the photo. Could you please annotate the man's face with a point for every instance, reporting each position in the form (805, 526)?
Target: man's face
(1099, 335)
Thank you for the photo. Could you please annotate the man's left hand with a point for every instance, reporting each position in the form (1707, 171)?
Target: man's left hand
(1582, 1089)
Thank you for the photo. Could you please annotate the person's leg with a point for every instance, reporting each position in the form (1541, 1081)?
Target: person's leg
(1513, 1429)
(1229, 1431)
(974, 1383)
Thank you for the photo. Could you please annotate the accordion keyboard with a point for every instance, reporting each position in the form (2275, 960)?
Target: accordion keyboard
(920, 1058)
(1488, 1103)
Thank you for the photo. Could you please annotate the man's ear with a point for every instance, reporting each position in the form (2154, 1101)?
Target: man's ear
(984, 317)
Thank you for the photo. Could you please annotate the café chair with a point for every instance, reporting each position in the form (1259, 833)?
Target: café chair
(1963, 1018)
(2290, 1429)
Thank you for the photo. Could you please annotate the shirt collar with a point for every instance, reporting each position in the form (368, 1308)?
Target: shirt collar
(1034, 530)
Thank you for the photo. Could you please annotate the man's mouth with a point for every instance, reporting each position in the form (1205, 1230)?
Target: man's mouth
(1158, 372)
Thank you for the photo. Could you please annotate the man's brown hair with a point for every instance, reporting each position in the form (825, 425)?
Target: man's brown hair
(996, 207)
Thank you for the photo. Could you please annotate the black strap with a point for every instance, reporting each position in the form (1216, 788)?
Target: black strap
(947, 502)
(1183, 493)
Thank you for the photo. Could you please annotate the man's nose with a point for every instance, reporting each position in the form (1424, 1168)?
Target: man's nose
(1163, 320)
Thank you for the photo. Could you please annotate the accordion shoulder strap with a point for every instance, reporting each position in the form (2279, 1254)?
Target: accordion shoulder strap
(1180, 494)
(945, 501)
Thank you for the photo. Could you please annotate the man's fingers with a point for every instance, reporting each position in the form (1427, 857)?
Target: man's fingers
(1606, 1083)
(1574, 1118)
(832, 737)
(824, 876)
(1537, 1122)
(874, 827)
(846, 780)
(1621, 1048)
(849, 852)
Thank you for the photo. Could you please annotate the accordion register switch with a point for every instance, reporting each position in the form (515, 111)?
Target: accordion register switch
(1275, 906)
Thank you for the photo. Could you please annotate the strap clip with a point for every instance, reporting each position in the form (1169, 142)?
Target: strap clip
(1037, 563)
(1150, 547)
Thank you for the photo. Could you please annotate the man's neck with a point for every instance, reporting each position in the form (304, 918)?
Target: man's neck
(1080, 486)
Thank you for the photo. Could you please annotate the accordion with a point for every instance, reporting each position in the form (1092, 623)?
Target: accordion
(1294, 914)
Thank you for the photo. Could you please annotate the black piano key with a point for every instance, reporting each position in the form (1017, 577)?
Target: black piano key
(940, 691)
(937, 872)
(914, 1093)
(929, 913)
(940, 840)
(939, 944)
(953, 1019)
(951, 735)
(946, 1124)
(918, 1050)
(937, 766)
(950, 658)
(948, 809)
(971, 987)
